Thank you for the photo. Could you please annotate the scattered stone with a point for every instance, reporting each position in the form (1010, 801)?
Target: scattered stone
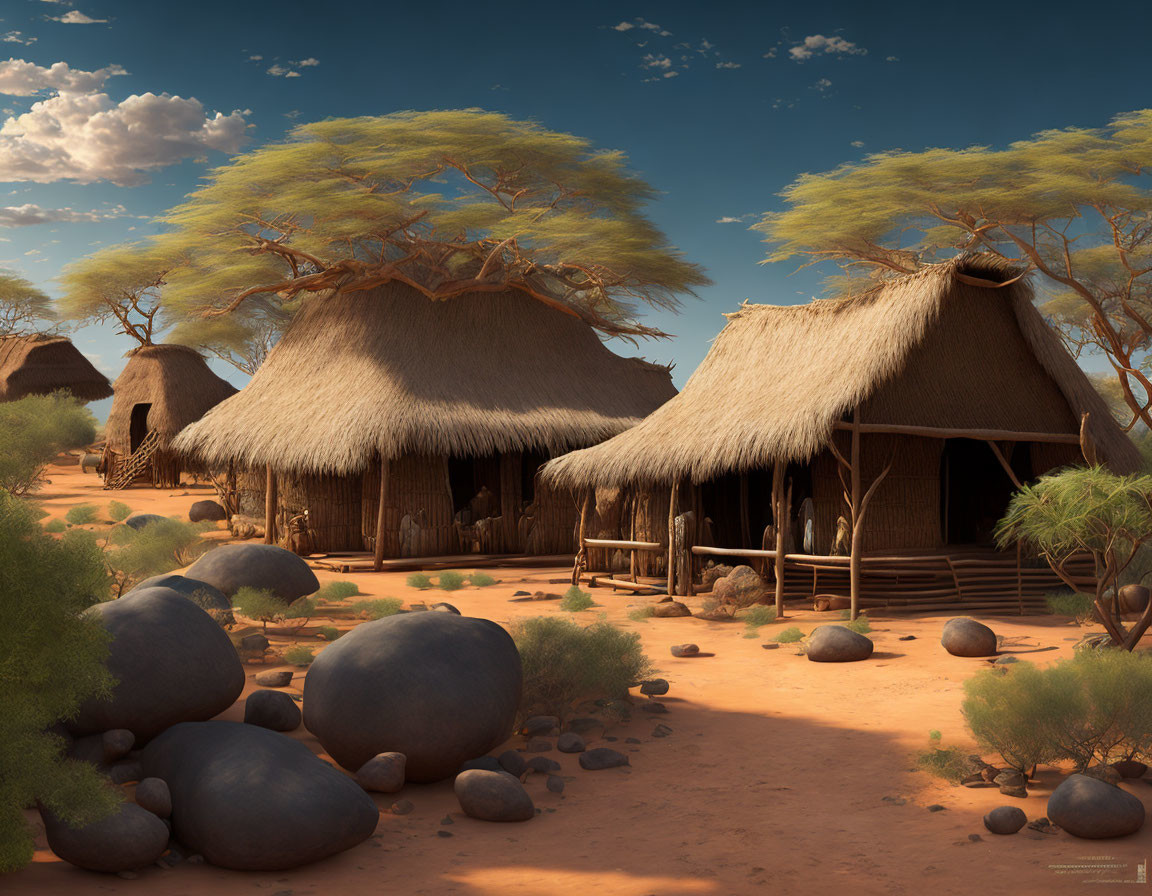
(542, 765)
(1010, 778)
(555, 784)
(837, 644)
(493, 796)
(602, 758)
(254, 643)
(1005, 820)
(685, 650)
(570, 742)
(1133, 598)
(443, 833)
(771, 645)
(276, 678)
(906, 638)
(895, 800)
(632, 740)
(153, 794)
(1104, 773)
(742, 587)
(250, 799)
(484, 763)
(439, 688)
(231, 567)
(670, 609)
(964, 636)
(975, 838)
(1016, 790)
(539, 725)
(125, 770)
(131, 837)
(656, 687)
(584, 724)
(117, 743)
(655, 707)
(513, 762)
(1130, 768)
(1004, 660)
(401, 807)
(936, 807)
(1044, 826)
(520, 594)
(1093, 809)
(140, 521)
(661, 731)
(274, 710)
(444, 608)
(709, 577)
(210, 511)
(383, 773)
(539, 745)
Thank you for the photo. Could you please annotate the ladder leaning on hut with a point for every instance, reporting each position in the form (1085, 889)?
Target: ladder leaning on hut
(134, 463)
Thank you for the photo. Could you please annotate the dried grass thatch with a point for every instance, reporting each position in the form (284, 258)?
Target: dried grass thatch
(388, 372)
(175, 380)
(934, 348)
(38, 365)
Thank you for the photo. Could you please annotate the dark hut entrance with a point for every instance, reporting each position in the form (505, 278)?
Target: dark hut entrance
(138, 425)
(975, 489)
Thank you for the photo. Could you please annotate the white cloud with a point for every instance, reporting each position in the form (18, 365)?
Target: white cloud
(858, 144)
(671, 74)
(292, 75)
(75, 17)
(643, 25)
(817, 43)
(17, 37)
(623, 26)
(21, 78)
(771, 54)
(89, 137)
(892, 59)
(727, 65)
(28, 215)
(822, 85)
(731, 219)
(309, 62)
(255, 58)
(282, 71)
(651, 61)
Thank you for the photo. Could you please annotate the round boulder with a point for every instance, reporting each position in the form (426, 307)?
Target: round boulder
(140, 520)
(383, 773)
(250, 799)
(967, 637)
(1093, 809)
(837, 644)
(153, 794)
(273, 710)
(1005, 820)
(127, 839)
(231, 567)
(685, 650)
(171, 661)
(670, 609)
(493, 796)
(742, 587)
(439, 688)
(1133, 598)
(570, 742)
(207, 598)
(210, 511)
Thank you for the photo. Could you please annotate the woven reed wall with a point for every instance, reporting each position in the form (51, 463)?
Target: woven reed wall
(418, 490)
(650, 512)
(333, 506)
(557, 518)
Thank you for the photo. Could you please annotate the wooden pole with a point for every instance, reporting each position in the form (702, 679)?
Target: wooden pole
(857, 539)
(581, 553)
(378, 552)
(779, 520)
(270, 507)
(632, 537)
(938, 432)
(673, 501)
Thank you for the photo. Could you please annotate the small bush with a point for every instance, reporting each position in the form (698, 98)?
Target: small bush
(298, 655)
(33, 430)
(790, 636)
(759, 615)
(419, 580)
(336, 591)
(934, 735)
(450, 580)
(575, 600)
(260, 604)
(481, 580)
(158, 548)
(118, 511)
(379, 608)
(860, 624)
(949, 763)
(301, 608)
(55, 526)
(329, 632)
(643, 614)
(565, 663)
(81, 514)
(1078, 606)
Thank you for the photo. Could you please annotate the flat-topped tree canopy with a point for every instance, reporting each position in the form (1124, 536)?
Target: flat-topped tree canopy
(386, 372)
(41, 364)
(955, 346)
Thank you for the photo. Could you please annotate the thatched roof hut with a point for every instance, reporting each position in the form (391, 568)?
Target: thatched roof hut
(387, 375)
(161, 390)
(41, 364)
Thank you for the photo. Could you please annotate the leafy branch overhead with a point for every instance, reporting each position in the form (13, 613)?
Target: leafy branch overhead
(24, 309)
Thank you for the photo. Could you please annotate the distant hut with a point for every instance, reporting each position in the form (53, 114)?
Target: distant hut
(41, 364)
(163, 388)
(384, 421)
(914, 409)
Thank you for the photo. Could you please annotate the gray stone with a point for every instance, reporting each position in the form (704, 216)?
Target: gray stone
(1005, 820)
(153, 794)
(274, 710)
(210, 511)
(254, 643)
(837, 644)
(493, 796)
(231, 567)
(513, 762)
(542, 765)
(670, 609)
(250, 799)
(536, 725)
(963, 636)
(685, 650)
(117, 743)
(129, 838)
(439, 688)
(140, 521)
(742, 587)
(656, 687)
(601, 758)
(555, 784)
(276, 678)
(212, 600)
(444, 608)
(383, 773)
(124, 771)
(171, 661)
(401, 807)
(570, 742)
(1095, 810)
(485, 763)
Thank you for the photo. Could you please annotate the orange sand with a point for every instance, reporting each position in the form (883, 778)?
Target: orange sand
(774, 779)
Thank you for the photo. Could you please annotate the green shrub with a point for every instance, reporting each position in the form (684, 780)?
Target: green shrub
(481, 580)
(565, 663)
(860, 624)
(934, 735)
(334, 592)
(81, 514)
(450, 580)
(379, 608)
(301, 608)
(949, 763)
(643, 614)
(33, 431)
(790, 636)
(55, 526)
(51, 660)
(260, 604)
(1078, 606)
(158, 548)
(329, 632)
(759, 615)
(118, 511)
(419, 580)
(575, 600)
(298, 655)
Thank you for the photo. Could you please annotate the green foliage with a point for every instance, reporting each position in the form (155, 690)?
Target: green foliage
(33, 431)
(565, 662)
(642, 614)
(51, 659)
(759, 615)
(81, 514)
(159, 547)
(860, 624)
(1078, 606)
(260, 604)
(948, 763)
(575, 600)
(480, 580)
(790, 635)
(118, 511)
(450, 580)
(24, 309)
(299, 655)
(301, 608)
(55, 526)
(329, 632)
(379, 608)
(334, 592)
(419, 580)
(934, 735)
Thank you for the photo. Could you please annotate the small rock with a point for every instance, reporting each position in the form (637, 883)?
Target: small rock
(570, 742)
(684, 650)
(1005, 820)
(126, 770)
(513, 762)
(543, 765)
(670, 609)
(493, 796)
(1004, 660)
(975, 838)
(131, 837)
(655, 707)
(632, 740)
(837, 644)
(401, 807)
(274, 710)
(555, 784)
(206, 510)
(153, 794)
(443, 833)
(447, 819)
(117, 743)
(1130, 768)
(1044, 826)
(1093, 809)
(539, 745)
(656, 687)
(1104, 773)
(936, 807)
(483, 763)
(771, 645)
(602, 758)
(383, 773)
(661, 731)
(963, 636)
(254, 643)
(906, 638)
(539, 725)
(276, 678)
(1019, 790)
(1010, 778)
(445, 608)
(520, 594)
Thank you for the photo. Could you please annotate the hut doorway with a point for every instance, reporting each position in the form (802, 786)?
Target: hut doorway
(975, 489)
(138, 425)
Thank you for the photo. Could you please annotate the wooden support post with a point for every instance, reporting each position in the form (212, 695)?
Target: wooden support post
(673, 503)
(632, 537)
(378, 552)
(581, 551)
(857, 533)
(1019, 577)
(270, 507)
(780, 522)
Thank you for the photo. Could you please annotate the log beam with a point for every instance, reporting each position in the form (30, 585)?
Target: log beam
(937, 432)
(270, 501)
(673, 502)
(382, 501)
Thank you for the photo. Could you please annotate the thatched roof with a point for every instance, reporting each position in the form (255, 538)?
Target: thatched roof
(929, 349)
(38, 365)
(388, 372)
(175, 380)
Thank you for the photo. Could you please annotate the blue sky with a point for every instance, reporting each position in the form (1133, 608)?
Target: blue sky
(719, 105)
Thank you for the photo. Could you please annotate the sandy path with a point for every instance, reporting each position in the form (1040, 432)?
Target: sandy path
(780, 776)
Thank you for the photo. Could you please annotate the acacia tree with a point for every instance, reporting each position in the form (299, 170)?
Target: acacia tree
(448, 202)
(1074, 205)
(23, 308)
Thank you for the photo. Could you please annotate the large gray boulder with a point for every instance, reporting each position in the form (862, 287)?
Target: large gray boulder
(250, 799)
(274, 710)
(967, 637)
(742, 587)
(493, 796)
(231, 567)
(1093, 809)
(127, 839)
(837, 644)
(207, 510)
(171, 661)
(205, 596)
(439, 688)
(139, 521)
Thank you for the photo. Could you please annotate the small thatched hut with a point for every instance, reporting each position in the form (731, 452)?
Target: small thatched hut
(162, 389)
(389, 422)
(41, 364)
(924, 401)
